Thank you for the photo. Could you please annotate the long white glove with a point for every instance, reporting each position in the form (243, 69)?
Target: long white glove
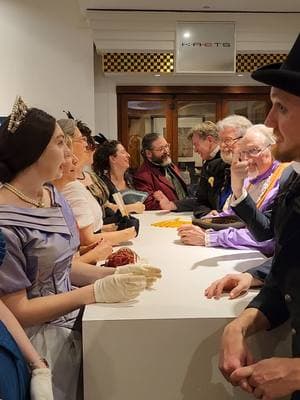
(150, 273)
(116, 288)
(41, 384)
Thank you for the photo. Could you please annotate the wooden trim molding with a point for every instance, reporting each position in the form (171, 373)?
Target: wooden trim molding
(217, 90)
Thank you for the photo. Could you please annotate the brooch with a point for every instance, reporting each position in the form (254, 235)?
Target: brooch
(211, 180)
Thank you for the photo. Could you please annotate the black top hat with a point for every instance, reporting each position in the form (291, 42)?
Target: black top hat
(285, 75)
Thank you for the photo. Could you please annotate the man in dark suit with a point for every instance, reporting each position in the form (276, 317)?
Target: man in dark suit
(279, 299)
(214, 183)
(158, 172)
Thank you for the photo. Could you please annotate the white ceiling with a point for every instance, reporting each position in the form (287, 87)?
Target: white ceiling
(195, 5)
(115, 30)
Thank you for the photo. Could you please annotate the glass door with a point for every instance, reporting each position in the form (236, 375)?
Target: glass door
(189, 114)
(144, 116)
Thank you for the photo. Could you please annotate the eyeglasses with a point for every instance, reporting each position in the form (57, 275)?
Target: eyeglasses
(229, 141)
(162, 148)
(255, 152)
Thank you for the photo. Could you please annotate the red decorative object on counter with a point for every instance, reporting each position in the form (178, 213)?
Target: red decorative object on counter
(122, 256)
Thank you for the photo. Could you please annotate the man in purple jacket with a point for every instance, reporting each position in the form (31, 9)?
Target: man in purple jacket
(262, 184)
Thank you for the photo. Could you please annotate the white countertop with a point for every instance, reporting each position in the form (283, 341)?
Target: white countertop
(186, 270)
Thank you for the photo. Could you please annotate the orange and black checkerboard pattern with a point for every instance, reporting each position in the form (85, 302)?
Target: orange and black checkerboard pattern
(164, 62)
(250, 62)
(138, 62)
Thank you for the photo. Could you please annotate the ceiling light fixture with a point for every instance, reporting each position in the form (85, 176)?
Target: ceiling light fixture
(186, 35)
(156, 75)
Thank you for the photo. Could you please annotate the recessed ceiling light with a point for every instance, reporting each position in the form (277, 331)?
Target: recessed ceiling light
(240, 74)
(186, 34)
(157, 75)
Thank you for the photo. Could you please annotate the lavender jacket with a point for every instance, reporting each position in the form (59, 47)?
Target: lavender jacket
(241, 238)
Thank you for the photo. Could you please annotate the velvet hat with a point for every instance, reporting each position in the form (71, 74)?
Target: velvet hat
(285, 75)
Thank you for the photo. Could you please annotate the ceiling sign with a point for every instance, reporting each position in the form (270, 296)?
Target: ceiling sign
(205, 47)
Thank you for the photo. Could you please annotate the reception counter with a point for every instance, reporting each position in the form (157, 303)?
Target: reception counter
(164, 345)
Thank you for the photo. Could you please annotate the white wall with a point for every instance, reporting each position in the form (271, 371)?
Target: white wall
(47, 57)
(105, 102)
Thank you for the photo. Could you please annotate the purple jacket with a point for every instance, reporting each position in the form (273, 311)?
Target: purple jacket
(241, 238)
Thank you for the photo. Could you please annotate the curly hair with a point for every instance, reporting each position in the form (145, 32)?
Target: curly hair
(86, 132)
(101, 156)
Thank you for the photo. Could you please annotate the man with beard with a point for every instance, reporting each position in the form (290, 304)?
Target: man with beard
(158, 172)
(279, 299)
(205, 141)
(262, 184)
(214, 184)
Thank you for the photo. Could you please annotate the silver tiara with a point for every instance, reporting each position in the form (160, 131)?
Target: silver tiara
(18, 114)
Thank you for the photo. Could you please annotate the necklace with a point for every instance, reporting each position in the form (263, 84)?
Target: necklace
(22, 196)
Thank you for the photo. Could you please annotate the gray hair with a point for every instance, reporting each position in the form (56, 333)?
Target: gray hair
(265, 132)
(68, 126)
(204, 129)
(237, 122)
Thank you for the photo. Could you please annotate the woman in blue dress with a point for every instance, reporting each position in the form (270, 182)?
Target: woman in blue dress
(41, 238)
(16, 355)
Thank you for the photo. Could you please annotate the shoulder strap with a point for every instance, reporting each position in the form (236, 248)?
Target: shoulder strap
(275, 176)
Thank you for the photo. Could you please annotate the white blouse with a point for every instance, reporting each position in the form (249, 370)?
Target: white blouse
(85, 207)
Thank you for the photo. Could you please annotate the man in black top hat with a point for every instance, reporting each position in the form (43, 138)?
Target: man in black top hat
(279, 299)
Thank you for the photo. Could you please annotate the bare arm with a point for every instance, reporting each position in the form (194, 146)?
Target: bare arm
(15, 329)
(87, 236)
(137, 207)
(234, 351)
(85, 274)
(249, 322)
(96, 252)
(42, 309)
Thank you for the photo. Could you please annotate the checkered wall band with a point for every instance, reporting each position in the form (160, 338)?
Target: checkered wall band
(138, 62)
(164, 62)
(250, 62)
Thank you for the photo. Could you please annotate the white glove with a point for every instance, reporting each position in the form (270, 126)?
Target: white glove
(116, 288)
(41, 384)
(150, 273)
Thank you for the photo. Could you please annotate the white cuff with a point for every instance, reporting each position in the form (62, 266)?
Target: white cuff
(234, 202)
(206, 239)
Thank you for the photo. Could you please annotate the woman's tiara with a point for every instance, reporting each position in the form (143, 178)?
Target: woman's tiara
(18, 114)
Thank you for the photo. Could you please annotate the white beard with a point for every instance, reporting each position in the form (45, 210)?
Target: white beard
(226, 157)
(166, 162)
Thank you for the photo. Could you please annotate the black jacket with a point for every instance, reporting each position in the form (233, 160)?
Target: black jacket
(214, 175)
(279, 299)
(263, 270)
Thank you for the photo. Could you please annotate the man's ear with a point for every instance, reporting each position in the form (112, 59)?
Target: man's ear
(148, 154)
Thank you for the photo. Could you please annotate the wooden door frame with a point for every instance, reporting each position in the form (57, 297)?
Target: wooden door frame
(173, 94)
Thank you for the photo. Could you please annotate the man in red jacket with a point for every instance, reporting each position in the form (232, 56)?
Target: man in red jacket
(158, 172)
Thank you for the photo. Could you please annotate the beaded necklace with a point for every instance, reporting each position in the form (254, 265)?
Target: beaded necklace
(22, 196)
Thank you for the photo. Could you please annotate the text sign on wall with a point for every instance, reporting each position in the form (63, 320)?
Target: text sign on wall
(205, 47)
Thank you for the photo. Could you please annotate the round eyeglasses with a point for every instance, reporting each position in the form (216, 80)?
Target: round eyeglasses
(254, 152)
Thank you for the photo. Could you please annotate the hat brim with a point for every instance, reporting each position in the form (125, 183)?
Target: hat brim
(281, 78)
